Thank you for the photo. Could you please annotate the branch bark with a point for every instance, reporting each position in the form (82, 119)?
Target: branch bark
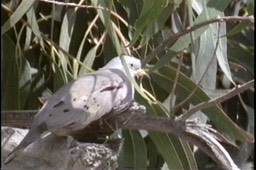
(51, 152)
(135, 119)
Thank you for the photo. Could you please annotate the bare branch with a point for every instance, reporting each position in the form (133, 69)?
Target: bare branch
(212, 102)
(172, 39)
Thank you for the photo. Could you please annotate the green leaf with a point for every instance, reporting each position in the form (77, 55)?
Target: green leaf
(175, 152)
(10, 76)
(38, 89)
(89, 60)
(238, 28)
(17, 15)
(133, 9)
(150, 12)
(31, 19)
(166, 148)
(163, 142)
(185, 87)
(243, 57)
(164, 59)
(155, 160)
(106, 20)
(59, 78)
(189, 154)
(204, 61)
(247, 149)
(157, 25)
(221, 52)
(66, 33)
(134, 151)
(17, 77)
(212, 10)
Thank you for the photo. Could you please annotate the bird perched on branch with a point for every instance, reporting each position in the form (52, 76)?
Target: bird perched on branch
(84, 100)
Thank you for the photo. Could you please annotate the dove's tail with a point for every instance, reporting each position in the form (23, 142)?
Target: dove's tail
(31, 136)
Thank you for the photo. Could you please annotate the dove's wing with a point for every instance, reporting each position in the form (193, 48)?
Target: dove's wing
(84, 100)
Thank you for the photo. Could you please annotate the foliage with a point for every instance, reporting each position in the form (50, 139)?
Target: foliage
(45, 45)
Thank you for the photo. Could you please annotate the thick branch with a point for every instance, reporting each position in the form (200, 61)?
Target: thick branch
(169, 126)
(134, 121)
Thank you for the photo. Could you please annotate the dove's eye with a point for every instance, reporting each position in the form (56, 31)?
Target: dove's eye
(131, 65)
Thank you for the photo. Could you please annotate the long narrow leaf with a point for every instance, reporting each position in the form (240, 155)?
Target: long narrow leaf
(17, 15)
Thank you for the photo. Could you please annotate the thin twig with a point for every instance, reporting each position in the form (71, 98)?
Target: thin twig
(172, 39)
(172, 109)
(86, 6)
(213, 102)
(201, 79)
(122, 38)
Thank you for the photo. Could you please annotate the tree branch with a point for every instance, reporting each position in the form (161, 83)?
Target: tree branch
(212, 102)
(134, 119)
(172, 39)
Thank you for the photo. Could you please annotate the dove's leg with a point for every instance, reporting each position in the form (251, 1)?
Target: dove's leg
(133, 109)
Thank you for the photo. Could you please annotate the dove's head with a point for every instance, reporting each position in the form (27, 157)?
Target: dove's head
(133, 64)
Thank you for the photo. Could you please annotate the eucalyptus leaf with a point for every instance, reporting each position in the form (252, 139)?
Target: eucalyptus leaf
(135, 153)
(17, 77)
(149, 13)
(105, 18)
(17, 15)
(184, 87)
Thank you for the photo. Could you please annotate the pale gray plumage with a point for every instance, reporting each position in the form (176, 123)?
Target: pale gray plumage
(77, 104)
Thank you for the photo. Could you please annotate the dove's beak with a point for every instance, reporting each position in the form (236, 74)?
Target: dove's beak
(141, 73)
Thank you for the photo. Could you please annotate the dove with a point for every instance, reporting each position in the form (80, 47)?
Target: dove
(84, 100)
